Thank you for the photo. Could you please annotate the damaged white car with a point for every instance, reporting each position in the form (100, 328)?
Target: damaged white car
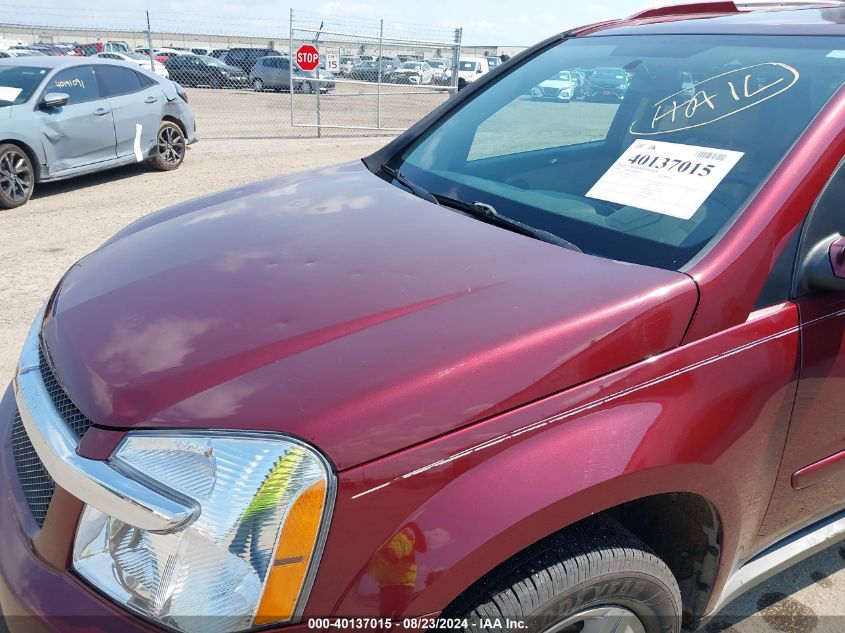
(63, 117)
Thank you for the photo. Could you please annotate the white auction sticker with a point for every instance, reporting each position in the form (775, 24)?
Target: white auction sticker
(9, 94)
(669, 178)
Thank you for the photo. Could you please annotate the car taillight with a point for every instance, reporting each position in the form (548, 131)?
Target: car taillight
(181, 92)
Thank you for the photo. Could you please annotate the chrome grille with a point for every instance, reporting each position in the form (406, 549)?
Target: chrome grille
(73, 417)
(38, 486)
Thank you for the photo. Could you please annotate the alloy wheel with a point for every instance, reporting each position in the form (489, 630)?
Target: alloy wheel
(171, 145)
(608, 619)
(16, 176)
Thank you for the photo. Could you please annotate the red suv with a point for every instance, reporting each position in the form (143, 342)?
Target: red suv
(548, 366)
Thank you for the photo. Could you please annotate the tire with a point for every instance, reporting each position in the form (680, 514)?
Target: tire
(258, 85)
(305, 88)
(583, 579)
(171, 147)
(216, 83)
(17, 177)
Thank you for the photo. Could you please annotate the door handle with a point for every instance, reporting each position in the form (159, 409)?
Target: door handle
(101, 111)
(150, 99)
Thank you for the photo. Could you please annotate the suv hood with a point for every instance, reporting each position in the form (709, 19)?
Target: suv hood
(338, 308)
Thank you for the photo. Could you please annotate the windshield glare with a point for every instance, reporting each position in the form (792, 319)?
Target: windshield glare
(647, 167)
(17, 83)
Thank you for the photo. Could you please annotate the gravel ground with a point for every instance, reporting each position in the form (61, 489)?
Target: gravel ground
(67, 220)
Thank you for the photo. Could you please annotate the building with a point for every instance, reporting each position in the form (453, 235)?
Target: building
(491, 51)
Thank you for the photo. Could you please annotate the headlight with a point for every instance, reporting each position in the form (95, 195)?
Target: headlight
(249, 557)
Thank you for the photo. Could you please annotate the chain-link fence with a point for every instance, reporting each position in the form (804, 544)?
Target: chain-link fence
(237, 70)
(371, 75)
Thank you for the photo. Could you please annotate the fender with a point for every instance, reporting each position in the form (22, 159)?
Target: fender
(708, 418)
(35, 156)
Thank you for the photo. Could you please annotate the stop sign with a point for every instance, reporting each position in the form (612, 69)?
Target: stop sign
(307, 57)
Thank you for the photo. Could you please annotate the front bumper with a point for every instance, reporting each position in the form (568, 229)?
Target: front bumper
(37, 594)
(614, 94)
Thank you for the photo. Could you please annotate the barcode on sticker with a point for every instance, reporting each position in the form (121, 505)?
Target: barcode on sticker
(711, 155)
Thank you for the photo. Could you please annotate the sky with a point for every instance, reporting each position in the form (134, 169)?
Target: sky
(484, 22)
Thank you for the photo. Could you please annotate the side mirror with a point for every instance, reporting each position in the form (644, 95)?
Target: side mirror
(54, 100)
(824, 267)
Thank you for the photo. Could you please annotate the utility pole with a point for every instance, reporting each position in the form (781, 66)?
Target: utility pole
(150, 44)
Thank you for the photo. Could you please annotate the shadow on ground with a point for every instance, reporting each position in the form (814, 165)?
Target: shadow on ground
(79, 183)
(806, 598)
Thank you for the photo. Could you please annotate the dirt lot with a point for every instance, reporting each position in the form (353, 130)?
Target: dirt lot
(244, 113)
(66, 220)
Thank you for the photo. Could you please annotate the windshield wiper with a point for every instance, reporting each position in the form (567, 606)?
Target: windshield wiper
(479, 210)
(406, 182)
(487, 213)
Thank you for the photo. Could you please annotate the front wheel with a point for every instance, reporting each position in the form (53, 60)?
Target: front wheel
(170, 147)
(17, 177)
(595, 578)
(258, 85)
(305, 87)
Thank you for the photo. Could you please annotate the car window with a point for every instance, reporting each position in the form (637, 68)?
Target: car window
(77, 82)
(146, 81)
(116, 81)
(652, 168)
(17, 83)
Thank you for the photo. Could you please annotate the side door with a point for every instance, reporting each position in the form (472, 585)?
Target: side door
(136, 109)
(176, 69)
(283, 73)
(273, 71)
(196, 71)
(81, 132)
(811, 481)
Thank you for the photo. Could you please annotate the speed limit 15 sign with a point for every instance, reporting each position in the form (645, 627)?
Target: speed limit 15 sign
(332, 59)
(307, 57)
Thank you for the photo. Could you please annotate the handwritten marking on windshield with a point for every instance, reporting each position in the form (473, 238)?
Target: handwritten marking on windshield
(717, 98)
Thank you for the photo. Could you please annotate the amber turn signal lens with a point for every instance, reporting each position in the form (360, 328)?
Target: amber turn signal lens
(293, 556)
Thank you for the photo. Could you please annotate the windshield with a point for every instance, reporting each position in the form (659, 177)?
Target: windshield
(210, 61)
(468, 65)
(17, 83)
(649, 169)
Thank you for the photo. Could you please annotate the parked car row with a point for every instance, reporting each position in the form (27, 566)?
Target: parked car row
(597, 84)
